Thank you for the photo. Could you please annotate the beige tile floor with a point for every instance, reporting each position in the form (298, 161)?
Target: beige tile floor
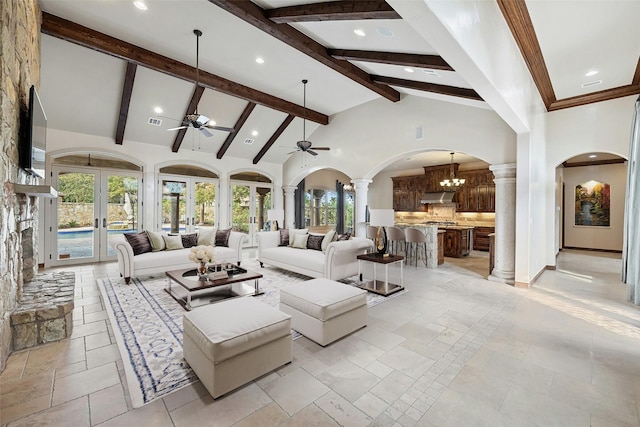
(456, 350)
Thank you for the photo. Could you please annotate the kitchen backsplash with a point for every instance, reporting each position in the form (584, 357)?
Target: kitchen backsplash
(447, 213)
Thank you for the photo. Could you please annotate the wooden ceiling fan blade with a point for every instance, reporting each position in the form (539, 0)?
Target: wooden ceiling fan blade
(322, 148)
(313, 153)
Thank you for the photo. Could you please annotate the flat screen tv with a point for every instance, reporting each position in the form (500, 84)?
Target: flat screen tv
(34, 142)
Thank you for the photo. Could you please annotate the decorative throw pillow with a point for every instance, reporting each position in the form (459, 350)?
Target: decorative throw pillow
(295, 231)
(345, 236)
(300, 241)
(222, 237)
(139, 242)
(189, 240)
(173, 242)
(328, 238)
(156, 240)
(284, 237)
(314, 241)
(207, 236)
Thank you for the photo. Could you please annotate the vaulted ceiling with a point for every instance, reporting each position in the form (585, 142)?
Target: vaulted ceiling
(107, 65)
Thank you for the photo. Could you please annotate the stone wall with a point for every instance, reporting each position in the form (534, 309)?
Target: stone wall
(19, 69)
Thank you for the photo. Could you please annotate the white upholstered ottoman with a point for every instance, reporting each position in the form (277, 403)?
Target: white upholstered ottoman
(235, 341)
(324, 310)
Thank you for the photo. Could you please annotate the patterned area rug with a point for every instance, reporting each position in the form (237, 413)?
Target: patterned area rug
(147, 324)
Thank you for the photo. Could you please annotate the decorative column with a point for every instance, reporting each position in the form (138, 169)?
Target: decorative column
(505, 236)
(361, 186)
(289, 201)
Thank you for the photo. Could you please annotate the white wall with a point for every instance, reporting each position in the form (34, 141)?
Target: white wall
(609, 238)
(325, 179)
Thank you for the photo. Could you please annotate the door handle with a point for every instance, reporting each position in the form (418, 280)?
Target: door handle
(104, 222)
(193, 220)
(95, 223)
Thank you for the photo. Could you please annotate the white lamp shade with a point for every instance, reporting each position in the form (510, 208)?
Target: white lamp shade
(275, 215)
(382, 217)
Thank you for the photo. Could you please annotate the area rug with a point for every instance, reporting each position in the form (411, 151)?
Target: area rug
(147, 324)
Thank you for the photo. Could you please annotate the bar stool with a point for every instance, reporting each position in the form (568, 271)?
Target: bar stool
(396, 238)
(416, 239)
(372, 231)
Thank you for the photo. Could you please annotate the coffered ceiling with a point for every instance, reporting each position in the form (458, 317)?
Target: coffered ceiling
(106, 65)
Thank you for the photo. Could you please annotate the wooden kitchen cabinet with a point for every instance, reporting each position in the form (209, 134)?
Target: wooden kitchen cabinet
(441, 234)
(481, 238)
(457, 242)
(407, 193)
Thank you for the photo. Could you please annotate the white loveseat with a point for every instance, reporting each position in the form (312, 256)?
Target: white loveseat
(157, 262)
(338, 262)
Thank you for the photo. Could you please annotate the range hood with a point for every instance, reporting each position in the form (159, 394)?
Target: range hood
(439, 197)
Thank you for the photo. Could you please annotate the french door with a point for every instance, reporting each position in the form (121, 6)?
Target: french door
(249, 205)
(186, 203)
(93, 205)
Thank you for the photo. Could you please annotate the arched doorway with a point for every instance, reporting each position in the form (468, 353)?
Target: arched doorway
(251, 199)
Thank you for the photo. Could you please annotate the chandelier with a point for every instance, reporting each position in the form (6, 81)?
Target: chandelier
(452, 181)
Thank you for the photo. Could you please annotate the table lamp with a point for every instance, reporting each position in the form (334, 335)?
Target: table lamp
(381, 218)
(275, 215)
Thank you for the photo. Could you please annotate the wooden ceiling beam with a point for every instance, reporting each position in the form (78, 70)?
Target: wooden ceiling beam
(333, 11)
(239, 123)
(125, 101)
(273, 139)
(433, 62)
(83, 36)
(191, 108)
(593, 163)
(636, 75)
(459, 92)
(256, 16)
(516, 14)
(590, 98)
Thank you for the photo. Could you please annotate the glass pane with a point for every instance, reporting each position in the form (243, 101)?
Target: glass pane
(349, 215)
(76, 232)
(240, 203)
(174, 206)
(263, 204)
(205, 209)
(122, 206)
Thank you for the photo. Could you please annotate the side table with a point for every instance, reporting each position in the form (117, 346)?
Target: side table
(378, 286)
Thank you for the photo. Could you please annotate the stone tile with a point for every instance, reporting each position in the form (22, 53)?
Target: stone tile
(94, 341)
(541, 409)
(185, 395)
(83, 383)
(381, 338)
(379, 369)
(311, 415)
(391, 387)
(25, 389)
(92, 308)
(72, 413)
(107, 403)
(153, 414)
(55, 355)
(94, 316)
(295, 390)
(348, 380)
(371, 404)
(440, 411)
(102, 356)
(89, 329)
(20, 410)
(315, 367)
(71, 369)
(343, 412)
(406, 361)
(224, 411)
(15, 366)
(268, 416)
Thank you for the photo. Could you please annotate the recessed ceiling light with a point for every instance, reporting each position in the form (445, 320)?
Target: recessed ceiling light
(359, 32)
(385, 32)
(593, 156)
(593, 83)
(158, 110)
(254, 133)
(140, 5)
(408, 69)
(431, 73)
(211, 122)
(260, 60)
(591, 73)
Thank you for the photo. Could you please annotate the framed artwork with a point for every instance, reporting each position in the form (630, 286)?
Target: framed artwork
(592, 207)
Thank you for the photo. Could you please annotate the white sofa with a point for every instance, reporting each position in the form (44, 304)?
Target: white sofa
(157, 262)
(338, 262)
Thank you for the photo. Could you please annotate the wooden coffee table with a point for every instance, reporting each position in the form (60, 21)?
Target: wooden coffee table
(195, 291)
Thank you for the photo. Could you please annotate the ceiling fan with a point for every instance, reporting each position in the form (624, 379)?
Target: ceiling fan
(195, 120)
(304, 145)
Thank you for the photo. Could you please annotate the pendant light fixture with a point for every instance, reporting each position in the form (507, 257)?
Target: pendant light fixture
(452, 181)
